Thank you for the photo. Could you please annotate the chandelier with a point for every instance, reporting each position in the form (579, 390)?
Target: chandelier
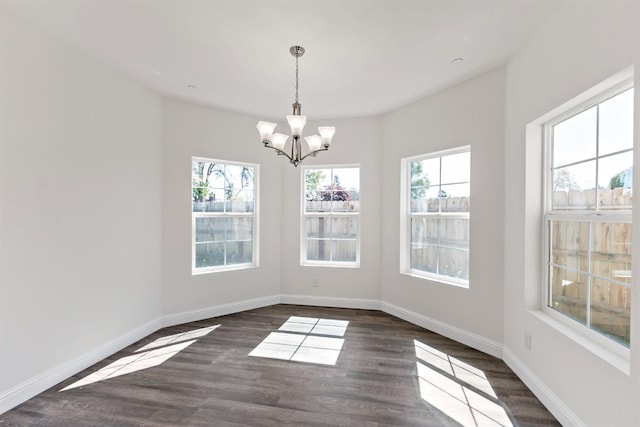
(278, 141)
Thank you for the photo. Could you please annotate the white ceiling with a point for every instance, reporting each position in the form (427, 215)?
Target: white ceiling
(363, 57)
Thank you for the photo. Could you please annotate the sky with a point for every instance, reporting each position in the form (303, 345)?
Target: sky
(599, 130)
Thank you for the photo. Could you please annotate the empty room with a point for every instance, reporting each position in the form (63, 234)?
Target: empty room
(323, 212)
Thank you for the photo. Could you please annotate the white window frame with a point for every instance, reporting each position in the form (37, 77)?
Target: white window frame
(611, 346)
(254, 215)
(406, 215)
(304, 215)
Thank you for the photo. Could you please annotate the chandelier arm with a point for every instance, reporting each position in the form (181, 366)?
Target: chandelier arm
(312, 153)
(279, 151)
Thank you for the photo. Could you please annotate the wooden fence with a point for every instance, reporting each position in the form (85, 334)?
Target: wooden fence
(440, 245)
(332, 237)
(601, 249)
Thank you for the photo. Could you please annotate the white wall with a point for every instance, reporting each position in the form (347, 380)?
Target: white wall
(581, 45)
(80, 208)
(468, 114)
(192, 130)
(357, 141)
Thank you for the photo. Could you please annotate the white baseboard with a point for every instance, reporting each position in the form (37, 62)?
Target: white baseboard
(330, 302)
(465, 337)
(219, 310)
(562, 412)
(36, 385)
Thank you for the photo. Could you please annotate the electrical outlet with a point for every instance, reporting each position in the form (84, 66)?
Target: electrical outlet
(315, 282)
(527, 341)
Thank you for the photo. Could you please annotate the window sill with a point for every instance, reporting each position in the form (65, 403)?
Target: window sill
(617, 359)
(437, 279)
(332, 265)
(200, 272)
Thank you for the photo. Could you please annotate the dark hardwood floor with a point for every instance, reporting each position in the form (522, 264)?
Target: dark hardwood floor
(387, 372)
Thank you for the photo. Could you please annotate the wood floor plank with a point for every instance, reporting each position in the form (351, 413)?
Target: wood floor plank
(213, 381)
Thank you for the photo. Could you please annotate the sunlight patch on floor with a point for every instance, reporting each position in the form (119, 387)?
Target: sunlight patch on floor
(151, 355)
(458, 389)
(301, 340)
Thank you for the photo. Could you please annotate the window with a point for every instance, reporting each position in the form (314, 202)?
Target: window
(589, 166)
(331, 216)
(224, 215)
(435, 223)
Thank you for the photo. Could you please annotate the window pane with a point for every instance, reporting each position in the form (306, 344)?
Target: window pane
(454, 263)
(574, 187)
(318, 227)
(611, 310)
(611, 251)
(210, 229)
(455, 198)
(201, 185)
(315, 181)
(456, 168)
(425, 172)
(616, 123)
(239, 228)
(570, 245)
(239, 252)
(318, 250)
(347, 178)
(344, 250)
(420, 183)
(215, 175)
(575, 138)
(615, 181)
(424, 258)
(344, 228)
(233, 177)
(209, 254)
(569, 293)
(425, 200)
(440, 245)
(454, 233)
(425, 231)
